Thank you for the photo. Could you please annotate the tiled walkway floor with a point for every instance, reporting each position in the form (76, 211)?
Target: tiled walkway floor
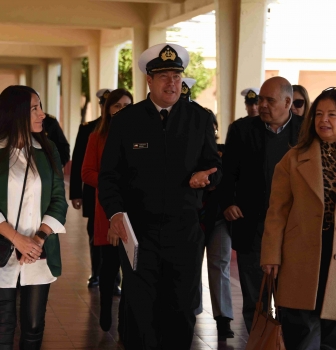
(73, 309)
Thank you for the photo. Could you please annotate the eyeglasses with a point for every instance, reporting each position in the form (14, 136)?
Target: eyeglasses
(298, 103)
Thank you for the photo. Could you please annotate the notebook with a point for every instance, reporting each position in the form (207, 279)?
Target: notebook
(131, 247)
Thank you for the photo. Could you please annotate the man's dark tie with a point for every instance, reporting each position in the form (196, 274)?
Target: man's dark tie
(164, 114)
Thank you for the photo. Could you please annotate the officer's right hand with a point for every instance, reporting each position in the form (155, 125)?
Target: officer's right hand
(112, 237)
(117, 226)
(77, 203)
(232, 213)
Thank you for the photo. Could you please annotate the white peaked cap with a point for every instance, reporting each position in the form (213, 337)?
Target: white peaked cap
(245, 91)
(154, 52)
(189, 81)
(101, 92)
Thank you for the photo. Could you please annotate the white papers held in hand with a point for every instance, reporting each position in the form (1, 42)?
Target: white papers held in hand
(131, 247)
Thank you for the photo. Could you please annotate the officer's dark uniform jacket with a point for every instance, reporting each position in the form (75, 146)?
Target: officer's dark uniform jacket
(145, 170)
(55, 133)
(77, 188)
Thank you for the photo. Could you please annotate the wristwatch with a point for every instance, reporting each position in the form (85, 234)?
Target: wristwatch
(42, 235)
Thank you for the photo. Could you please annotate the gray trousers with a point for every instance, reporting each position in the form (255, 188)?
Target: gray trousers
(219, 257)
(250, 275)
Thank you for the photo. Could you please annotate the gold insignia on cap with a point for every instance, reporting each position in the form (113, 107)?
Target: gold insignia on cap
(251, 94)
(168, 54)
(185, 89)
(106, 94)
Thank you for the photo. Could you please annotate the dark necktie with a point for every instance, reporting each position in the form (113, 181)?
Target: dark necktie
(164, 114)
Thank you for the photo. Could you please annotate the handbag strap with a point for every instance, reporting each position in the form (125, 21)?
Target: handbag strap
(271, 289)
(274, 292)
(262, 287)
(23, 189)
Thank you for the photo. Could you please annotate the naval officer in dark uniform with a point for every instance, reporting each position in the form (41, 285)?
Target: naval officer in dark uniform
(82, 194)
(55, 133)
(159, 155)
(251, 101)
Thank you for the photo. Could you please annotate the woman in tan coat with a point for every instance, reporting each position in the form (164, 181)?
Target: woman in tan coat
(298, 241)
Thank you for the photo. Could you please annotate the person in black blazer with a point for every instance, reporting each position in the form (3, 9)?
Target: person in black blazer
(217, 242)
(83, 195)
(253, 147)
(218, 250)
(55, 133)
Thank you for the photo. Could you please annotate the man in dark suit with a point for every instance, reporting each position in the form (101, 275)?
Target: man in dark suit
(159, 155)
(82, 194)
(253, 147)
(55, 134)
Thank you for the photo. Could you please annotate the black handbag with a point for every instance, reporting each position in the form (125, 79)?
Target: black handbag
(6, 246)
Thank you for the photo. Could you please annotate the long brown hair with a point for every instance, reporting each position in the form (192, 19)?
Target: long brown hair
(308, 132)
(15, 123)
(304, 93)
(113, 97)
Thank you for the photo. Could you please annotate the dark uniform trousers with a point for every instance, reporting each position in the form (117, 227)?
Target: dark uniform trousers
(162, 293)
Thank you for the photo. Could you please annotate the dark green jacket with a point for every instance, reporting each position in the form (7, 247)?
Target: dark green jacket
(53, 202)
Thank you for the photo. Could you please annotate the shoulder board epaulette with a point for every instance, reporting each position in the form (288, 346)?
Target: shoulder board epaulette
(208, 110)
(51, 116)
(85, 123)
(200, 106)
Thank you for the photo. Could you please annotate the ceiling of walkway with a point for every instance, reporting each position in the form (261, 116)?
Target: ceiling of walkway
(32, 25)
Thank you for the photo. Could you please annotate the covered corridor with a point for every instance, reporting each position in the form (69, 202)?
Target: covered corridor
(72, 318)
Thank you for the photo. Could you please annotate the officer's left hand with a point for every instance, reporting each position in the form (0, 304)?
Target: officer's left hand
(201, 178)
(117, 227)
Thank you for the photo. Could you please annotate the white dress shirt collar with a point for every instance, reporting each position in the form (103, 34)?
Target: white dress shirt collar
(159, 108)
(278, 131)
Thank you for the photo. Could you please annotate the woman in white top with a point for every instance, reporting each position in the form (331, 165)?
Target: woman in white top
(43, 214)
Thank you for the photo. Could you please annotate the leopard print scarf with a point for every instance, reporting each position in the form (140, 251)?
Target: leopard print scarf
(328, 152)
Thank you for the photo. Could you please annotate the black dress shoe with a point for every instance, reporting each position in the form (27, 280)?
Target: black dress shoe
(223, 328)
(93, 281)
(116, 291)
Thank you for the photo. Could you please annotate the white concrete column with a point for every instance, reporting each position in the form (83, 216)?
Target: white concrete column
(75, 101)
(108, 77)
(39, 82)
(22, 77)
(251, 49)
(53, 90)
(65, 98)
(227, 14)
(139, 44)
(156, 36)
(28, 74)
(94, 74)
